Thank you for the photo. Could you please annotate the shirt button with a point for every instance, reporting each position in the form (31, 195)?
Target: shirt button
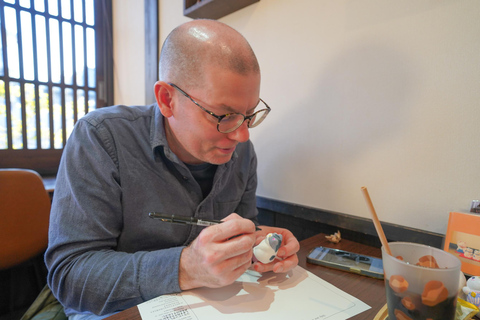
(185, 178)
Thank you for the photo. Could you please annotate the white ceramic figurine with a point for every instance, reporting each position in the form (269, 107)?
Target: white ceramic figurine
(472, 290)
(267, 250)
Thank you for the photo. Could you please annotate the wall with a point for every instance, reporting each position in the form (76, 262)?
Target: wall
(383, 94)
(129, 52)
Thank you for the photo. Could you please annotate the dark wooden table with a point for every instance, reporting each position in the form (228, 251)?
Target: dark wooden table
(369, 290)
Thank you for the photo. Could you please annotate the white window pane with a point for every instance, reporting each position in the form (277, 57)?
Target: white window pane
(27, 45)
(57, 118)
(92, 100)
(39, 5)
(2, 69)
(55, 51)
(16, 114)
(31, 116)
(42, 60)
(12, 44)
(67, 53)
(3, 118)
(25, 3)
(66, 9)
(69, 111)
(53, 7)
(89, 12)
(80, 103)
(79, 55)
(91, 61)
(78, 10)
(44, 117)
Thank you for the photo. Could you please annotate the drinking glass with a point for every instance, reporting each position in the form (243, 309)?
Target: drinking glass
(421, 282)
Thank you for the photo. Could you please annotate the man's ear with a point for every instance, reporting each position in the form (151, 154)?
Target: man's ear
(163, 95)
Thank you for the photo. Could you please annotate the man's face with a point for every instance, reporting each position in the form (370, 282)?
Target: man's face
(192, 133)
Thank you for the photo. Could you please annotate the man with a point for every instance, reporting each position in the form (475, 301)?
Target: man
(187, 155)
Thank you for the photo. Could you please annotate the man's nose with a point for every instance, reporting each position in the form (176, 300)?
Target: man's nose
(241, 134)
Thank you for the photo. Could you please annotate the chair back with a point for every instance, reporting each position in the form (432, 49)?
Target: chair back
(24, 216)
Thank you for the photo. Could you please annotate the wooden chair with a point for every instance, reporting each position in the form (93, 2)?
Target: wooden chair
(24, 216)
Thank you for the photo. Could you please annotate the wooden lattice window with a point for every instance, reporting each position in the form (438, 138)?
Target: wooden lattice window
(54, 66)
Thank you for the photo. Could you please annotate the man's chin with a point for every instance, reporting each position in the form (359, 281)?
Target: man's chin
(220, 159)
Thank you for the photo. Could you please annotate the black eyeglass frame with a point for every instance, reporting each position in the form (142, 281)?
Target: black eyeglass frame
(220, 118)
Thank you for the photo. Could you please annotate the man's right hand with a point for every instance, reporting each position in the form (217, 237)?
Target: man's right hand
(219, 255)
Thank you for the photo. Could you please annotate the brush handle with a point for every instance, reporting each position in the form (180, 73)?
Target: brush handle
(376, 222)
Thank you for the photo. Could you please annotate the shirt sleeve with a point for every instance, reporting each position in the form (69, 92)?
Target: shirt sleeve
(86, 273)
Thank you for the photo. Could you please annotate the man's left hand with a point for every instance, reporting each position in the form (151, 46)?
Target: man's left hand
(287, 254)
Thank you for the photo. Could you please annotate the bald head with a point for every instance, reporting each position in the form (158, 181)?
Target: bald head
(198, 44)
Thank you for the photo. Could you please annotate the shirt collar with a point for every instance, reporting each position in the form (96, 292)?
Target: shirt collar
(157, 129)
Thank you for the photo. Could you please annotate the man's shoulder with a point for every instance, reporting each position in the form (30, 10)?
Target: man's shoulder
(129, 113)
(246, 146)
(245, 150)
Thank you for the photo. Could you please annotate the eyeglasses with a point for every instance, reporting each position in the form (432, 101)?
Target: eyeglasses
(232, 121)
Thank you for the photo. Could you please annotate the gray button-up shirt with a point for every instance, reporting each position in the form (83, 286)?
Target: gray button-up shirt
(105, 253)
